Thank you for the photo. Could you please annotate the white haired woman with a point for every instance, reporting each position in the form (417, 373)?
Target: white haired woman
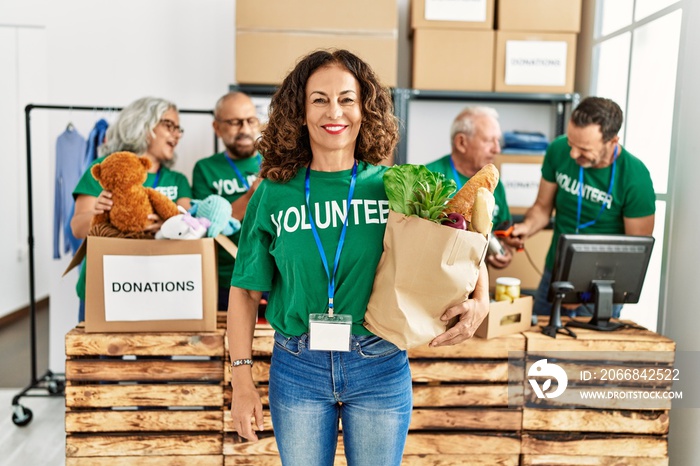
(148, 127)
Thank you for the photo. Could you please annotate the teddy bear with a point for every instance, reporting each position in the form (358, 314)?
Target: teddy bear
(217, 210)
(123, 174)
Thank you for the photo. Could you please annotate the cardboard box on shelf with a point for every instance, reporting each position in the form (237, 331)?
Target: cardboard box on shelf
(535, 62)
(265, 57)
(151, 286)
(318, 16)
(452, 14)
(507, 317)
(526, 265)
(453, 59)
(520, 176)
(271, 36)
(539, 15)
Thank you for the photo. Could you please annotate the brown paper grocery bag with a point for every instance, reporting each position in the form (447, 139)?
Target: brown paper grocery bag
(425, 269)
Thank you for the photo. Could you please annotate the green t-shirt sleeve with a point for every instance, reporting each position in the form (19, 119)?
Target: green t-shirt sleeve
(254, 267)
(199, 183)
(503, 215)
(88, 185)
(640, 198)
(549, 165)
(183, 187)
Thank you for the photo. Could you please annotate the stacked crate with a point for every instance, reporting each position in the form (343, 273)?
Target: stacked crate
(567, 430)
(461, 406)
(144, 398)
(467, 410)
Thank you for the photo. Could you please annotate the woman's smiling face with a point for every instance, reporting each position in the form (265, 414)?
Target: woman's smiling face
(333, 110)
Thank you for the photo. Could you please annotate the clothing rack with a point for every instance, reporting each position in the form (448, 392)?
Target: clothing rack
(53, 383)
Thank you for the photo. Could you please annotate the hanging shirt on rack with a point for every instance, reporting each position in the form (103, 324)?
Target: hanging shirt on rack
(94, 141)
(70, 150)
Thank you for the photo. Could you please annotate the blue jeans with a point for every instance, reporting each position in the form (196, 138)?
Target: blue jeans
(368, 387)
(543, 307)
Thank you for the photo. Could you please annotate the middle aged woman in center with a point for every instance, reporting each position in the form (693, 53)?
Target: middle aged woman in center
(312, 236)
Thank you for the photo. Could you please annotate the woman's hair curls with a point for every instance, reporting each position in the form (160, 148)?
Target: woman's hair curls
(285, 145)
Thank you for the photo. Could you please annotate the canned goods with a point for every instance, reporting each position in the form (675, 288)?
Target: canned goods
(507, 289)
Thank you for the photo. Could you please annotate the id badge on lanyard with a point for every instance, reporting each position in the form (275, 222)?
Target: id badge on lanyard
(330, 331)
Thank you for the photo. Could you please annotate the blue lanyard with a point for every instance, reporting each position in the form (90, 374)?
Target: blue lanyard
(157, 178)
(580, 195)
(341, 241)
(238, 172)
(455, 173)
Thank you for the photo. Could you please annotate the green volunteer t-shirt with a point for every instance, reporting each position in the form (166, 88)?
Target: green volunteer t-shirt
(277, 250)
(632, 193)
(171, 183)
(501, 212)
(214, 175)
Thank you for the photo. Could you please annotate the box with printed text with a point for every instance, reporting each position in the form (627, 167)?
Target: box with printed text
(151, 286)
(534, 62)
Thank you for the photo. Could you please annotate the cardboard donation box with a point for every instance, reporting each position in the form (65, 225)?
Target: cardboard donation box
(453, 59)
(507, 317)
(534, 62)
(539, 15)
(452, 14)
(520, 175)
(150, 286)
(425, 269)
(271, 36)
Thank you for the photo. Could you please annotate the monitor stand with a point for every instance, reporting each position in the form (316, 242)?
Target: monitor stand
(603, 298)
(554, 326)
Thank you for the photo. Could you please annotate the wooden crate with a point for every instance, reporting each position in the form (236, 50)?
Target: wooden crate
(461, 406)
(573, 430)
(144, 398)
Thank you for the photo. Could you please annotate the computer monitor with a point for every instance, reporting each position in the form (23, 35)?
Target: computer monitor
(603, 270)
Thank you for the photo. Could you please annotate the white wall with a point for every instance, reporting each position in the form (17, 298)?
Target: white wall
(22, 79)
(680, 314)
(94, 53)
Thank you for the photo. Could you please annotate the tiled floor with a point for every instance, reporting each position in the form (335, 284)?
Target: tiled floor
(40, 443)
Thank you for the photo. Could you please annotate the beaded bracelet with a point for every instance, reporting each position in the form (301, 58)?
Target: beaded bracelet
(241, 362)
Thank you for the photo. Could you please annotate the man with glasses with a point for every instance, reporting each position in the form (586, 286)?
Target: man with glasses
(595, 186)
(475, 135)
(233, 173)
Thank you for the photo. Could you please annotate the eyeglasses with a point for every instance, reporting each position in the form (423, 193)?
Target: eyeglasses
(238, 122)
(171, 126)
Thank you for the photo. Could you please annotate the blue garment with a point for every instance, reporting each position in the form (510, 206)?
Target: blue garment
(525, 140)
(373, 383)
(94, 141)
(70, 149)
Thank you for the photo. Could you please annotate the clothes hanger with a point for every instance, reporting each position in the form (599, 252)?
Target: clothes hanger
(70, 126)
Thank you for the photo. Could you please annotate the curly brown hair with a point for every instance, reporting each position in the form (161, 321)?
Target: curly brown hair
(285, 144)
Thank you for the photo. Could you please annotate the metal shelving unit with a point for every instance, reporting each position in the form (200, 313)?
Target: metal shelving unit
(560, 103)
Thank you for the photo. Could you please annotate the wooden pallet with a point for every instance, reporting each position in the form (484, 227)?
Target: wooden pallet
(570, 430)
(144, 398)
(566, 448)
(461, 400)
(164, 399)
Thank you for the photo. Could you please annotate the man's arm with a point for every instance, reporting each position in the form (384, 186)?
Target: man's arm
(239, 206)
(537, 217)
(641, 226)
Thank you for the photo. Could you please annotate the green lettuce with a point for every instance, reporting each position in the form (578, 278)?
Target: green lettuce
(415, 190)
